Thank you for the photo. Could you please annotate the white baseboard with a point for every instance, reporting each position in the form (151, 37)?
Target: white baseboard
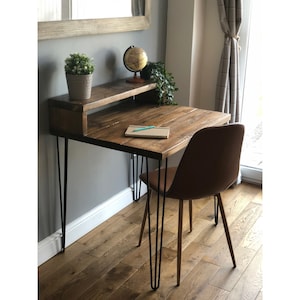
(51, 245)
(251, 175)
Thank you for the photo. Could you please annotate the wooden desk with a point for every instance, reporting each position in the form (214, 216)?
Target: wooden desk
(106, 128)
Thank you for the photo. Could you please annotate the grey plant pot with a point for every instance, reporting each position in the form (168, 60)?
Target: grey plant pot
(79, 86)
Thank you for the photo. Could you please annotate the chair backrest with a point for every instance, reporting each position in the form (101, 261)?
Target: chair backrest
(210, 163)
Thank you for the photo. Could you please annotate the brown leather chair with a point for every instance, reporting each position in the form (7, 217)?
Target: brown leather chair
(209, 165)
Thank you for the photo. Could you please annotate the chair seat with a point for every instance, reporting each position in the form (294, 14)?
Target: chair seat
(153, 181)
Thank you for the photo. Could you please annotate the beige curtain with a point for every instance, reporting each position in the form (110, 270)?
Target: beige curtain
(227, 92)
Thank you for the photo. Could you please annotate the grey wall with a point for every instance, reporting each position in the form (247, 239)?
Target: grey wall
(95, 173)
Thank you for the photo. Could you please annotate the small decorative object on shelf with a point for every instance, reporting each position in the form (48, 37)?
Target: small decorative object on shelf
(79, 70)
(165, 82)
(135, 59)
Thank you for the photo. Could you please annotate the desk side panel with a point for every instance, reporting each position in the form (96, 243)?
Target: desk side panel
(66, 121)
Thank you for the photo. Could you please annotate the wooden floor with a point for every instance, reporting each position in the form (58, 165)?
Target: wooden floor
(107, 264)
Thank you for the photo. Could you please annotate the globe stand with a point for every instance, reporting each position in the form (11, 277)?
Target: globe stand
(135, 79)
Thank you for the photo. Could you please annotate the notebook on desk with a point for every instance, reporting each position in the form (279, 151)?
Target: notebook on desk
(147, 131)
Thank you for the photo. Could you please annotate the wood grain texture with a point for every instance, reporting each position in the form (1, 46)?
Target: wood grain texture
(102, 95)
(107, 127)
(107, 264)
(70, 116)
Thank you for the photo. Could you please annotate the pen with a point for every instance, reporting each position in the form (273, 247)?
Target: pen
(143, 128)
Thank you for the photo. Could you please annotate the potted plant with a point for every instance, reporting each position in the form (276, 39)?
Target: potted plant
(165, 82)
(79, 70)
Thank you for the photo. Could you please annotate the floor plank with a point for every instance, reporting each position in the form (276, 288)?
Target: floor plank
(250, 283)
(107, 264)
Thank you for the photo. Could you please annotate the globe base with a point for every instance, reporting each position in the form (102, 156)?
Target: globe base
(135, 79)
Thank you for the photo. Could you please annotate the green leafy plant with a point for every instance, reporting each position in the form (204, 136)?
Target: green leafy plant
(79, 64)
(165, 82)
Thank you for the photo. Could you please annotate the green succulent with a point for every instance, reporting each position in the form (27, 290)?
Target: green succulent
(79, 64)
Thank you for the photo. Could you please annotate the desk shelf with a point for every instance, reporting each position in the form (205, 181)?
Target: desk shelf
(71, 116)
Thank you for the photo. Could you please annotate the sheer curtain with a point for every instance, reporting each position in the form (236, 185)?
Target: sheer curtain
(227, 92)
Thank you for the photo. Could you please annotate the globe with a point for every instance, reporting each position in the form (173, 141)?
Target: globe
(135, 59)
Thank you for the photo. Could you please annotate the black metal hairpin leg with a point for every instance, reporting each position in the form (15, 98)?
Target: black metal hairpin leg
(135, 163)
(156, 264)
(63, 200)
(136, 182)
(220, 203)
(216, 206)
(140, 182)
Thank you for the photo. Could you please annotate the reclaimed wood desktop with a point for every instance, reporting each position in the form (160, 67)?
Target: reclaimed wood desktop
(106, 128)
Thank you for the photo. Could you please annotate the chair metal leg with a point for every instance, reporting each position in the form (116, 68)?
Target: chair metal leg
(226, 228)
(191, 214)
(216, 209)
(179, 241)
(146, 213)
